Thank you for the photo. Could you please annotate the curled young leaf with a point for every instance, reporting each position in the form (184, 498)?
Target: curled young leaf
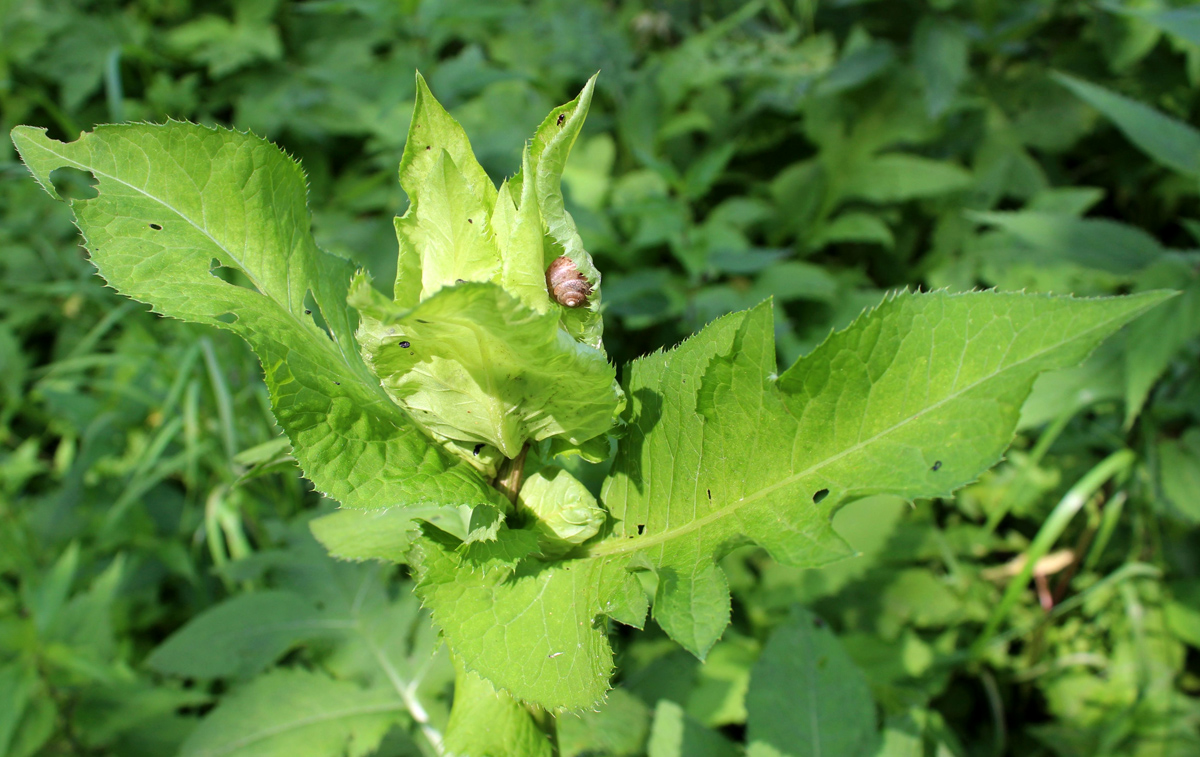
(560, 509)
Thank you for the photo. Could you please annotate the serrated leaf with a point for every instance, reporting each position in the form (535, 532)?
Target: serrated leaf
(296, 713)
(806, 697)
(239, 637)
(474, 364)
(155, 235)
(1172, 143)
(914, 399)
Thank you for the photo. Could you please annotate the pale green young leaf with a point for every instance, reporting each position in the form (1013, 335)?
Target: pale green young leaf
(807, 698)
(915, 399)
(239, 637)
(519, 235)
(545, 158)
(475, 365)
(448, 230)
(296, 713)
(489, 723)
(178, 200)
(1171, 142)
(431, 133)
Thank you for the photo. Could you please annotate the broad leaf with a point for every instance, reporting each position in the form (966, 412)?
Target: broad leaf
(914, 399)
(1172, 143)
(239, 637)
(177, 205)
(295, 713)
(807, 698)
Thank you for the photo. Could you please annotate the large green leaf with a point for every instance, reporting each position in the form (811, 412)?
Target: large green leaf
(177, 204)
(294, 713)
(807, 698)
(239, 637)
(916, 398)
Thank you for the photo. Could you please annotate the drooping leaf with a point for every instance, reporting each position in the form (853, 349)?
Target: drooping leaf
(806, 697)
(914, 399)
(295, 713)
(158, 239)
(1172, 143)
(239, 637)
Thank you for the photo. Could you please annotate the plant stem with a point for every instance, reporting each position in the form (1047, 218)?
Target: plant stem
(548, 725)
(511, 475)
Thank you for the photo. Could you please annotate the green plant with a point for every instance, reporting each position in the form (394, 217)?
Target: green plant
(713, 447)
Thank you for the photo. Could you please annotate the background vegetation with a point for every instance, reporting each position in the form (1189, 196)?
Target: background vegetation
(818, 152)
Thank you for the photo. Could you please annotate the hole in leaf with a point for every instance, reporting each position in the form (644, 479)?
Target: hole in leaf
(230, 275)
(641, 528)
(156, 227)
(227, 318)
(74, 184)
(820, 496)
(311, 308)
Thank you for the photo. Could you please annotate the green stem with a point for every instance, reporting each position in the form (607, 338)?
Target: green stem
(1070, 504)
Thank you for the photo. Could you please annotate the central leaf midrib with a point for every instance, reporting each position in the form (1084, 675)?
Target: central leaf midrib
(623, 546)
(290, 725)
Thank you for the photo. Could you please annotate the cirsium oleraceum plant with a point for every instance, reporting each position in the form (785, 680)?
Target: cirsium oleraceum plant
(438, 409)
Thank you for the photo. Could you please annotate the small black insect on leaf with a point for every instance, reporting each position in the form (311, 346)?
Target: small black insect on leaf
(709, 493)
(561, 117)
(308, 312)
(477, 448)
(405, 345)
(936, 465)
(337, 383)
(470, 221)
(156, 227)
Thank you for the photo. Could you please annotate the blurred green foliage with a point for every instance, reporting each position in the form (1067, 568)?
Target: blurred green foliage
(817, 152)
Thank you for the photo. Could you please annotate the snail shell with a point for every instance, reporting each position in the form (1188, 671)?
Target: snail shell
(566, 284)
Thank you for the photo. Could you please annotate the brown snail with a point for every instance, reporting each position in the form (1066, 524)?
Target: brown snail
(566, 284)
